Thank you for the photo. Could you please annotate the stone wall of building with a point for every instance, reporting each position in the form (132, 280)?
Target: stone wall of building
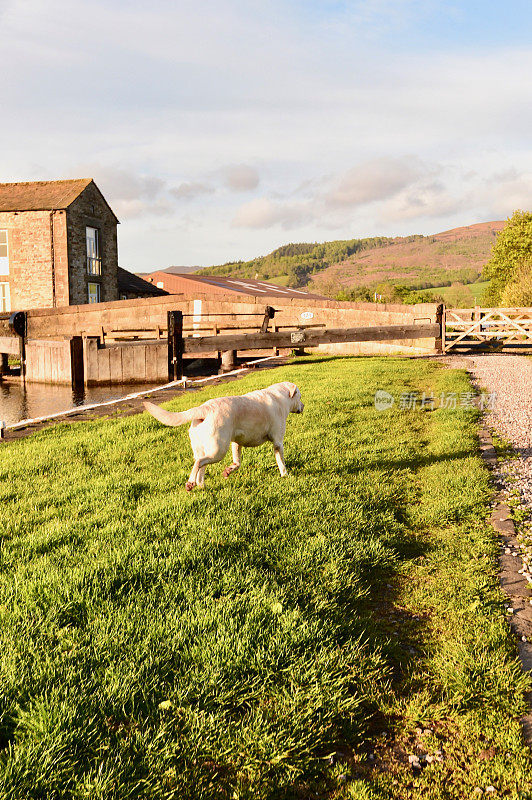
(47, 253)
(38, 260)
(90, 209)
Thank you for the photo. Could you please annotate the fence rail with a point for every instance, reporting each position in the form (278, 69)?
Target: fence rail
(307, 337)
(293, 337)
(477, 327)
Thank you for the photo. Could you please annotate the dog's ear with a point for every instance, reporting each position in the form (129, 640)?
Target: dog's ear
(292, 389)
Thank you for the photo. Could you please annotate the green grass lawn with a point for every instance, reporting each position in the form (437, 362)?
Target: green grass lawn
(267, 637)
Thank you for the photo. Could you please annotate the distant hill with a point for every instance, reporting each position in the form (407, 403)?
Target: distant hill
(169, 269)
(294, 264)
(458, 254)
(417, 261)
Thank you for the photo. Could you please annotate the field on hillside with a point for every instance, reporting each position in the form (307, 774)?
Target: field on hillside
(266, 637)
(459, 295)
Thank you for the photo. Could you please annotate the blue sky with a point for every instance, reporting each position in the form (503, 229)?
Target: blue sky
(220, 130)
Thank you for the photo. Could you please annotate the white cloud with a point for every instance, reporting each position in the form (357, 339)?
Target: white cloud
(135, 209)
(507, 192)
(122, 184)
(403, 188)
(264, 213)
(375, 180)
(240, 177)
(424, 202)
(191, 190)
(130, 195)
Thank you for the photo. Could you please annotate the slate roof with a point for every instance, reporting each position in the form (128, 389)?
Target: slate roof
(128, 282)
(41, 195)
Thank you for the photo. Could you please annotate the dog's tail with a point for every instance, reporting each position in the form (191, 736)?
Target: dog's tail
(174, 418)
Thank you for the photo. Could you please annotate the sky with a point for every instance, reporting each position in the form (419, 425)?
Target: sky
(219, 130)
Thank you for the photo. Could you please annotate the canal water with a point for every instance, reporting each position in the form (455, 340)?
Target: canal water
(18, 402)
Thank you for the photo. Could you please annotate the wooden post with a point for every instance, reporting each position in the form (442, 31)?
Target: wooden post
(175, 345)
(18, 324)
(228, 361)
(4, 364)
(439, 342)
(216, 331)
(268, 315)
(22, 357)
(76, 362)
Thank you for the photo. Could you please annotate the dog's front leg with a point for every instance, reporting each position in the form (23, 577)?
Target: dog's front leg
(279, 457)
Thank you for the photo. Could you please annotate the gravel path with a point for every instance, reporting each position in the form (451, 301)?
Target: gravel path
(507, 380)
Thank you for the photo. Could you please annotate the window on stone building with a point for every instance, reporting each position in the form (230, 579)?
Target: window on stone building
(94, 292)
(5, 302)
(94, 261)
(4, 255)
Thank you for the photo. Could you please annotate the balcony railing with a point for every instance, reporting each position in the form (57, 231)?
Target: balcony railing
(94, 265)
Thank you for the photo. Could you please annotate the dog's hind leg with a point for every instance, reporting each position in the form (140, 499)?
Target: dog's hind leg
(279, 457)
(236, 450)
(189, 485)
(207, 450)
(200, 478)
(198, 470)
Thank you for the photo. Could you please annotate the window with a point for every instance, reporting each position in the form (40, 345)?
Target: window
(4, 255)
(94, 262)
(94, 292)
(5, 302)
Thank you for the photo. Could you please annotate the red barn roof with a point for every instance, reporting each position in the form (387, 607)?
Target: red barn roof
(215, 284)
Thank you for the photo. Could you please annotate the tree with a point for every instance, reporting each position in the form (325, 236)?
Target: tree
(511, 257)
(519, 291)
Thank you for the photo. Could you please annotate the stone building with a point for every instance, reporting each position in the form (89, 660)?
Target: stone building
(58, 245)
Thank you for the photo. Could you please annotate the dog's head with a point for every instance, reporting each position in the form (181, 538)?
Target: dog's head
(295, 396)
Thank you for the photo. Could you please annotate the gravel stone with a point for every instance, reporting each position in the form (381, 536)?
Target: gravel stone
(508, 380)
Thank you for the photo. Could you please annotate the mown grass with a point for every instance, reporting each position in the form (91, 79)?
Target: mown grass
(264, 638)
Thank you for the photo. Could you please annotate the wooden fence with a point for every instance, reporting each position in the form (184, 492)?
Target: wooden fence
(479, 328)
(296, 338)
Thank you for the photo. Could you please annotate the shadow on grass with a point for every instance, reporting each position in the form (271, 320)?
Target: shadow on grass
(296, 463)
(311, 360)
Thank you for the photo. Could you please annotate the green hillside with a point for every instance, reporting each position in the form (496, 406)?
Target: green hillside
(356, 269)
(293, 264)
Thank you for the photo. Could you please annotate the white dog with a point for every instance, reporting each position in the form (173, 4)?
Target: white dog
(245, 421)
